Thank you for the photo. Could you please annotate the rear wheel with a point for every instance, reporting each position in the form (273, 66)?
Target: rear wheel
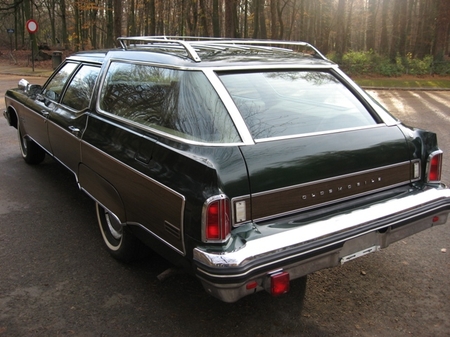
(32, 153)
(119, 240)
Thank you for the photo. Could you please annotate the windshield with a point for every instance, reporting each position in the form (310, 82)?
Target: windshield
(286, 103)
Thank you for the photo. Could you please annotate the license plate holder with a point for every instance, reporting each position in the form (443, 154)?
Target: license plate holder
(363, 252)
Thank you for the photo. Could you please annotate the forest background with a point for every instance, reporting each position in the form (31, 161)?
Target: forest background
(384, 37)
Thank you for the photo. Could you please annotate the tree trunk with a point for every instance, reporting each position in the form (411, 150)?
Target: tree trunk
(341, 34)
(117, 20)
(425, 29)
(371, 24)
(131, 27)
(442, 30)
(64, 39)
(403, 26)
(231, 18)
(109, 24)
(77, 35)
(152, 14)
(273, 19)
(93, 19)
(384, 40)
(203, 21)
(215, 19)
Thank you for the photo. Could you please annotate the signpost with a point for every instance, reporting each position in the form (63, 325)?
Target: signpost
(10, 32)
(32, 27)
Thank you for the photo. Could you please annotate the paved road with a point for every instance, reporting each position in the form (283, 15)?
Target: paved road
(57, 280)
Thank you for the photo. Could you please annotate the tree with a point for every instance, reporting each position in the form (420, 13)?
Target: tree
(371, 24)
(384, 39)
(231, 28)
(117, 19)
(388, 27)
(341, 34)
(442, 30)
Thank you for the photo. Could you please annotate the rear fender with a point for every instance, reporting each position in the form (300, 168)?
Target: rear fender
(101, 190)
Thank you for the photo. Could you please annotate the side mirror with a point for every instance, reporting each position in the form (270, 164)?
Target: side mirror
(23, 84)
(28, 88)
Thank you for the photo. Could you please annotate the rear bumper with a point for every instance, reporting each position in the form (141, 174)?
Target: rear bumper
(321, 244)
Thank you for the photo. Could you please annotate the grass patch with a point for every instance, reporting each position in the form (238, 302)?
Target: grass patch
(402, 82)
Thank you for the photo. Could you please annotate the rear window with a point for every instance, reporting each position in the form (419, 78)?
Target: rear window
(286, 103)
(179, 103)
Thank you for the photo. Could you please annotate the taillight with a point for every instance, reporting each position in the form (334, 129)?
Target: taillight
(216, 219)
(279, 284)
(434, 166)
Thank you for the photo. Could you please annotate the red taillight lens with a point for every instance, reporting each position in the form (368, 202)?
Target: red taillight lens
(217, 219)
(435, 166)
(279, 284)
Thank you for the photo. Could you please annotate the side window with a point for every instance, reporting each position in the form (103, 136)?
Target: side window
(177, 102)
(79, 90)
(54, 88)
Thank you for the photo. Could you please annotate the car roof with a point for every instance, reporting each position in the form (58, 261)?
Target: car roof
(196, 52)
(97, 56)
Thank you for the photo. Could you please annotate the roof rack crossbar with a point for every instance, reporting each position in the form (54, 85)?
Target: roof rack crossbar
(189, 50)
(193, 43)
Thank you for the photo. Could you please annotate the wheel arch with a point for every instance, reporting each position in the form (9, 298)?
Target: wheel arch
(11, 116)
(102, 191)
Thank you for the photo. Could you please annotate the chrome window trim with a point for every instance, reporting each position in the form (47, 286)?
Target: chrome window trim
(230, 106)
(272, 66)
(311, 134)
(385, 116)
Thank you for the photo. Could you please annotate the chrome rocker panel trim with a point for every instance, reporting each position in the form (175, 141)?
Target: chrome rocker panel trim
(321, 244)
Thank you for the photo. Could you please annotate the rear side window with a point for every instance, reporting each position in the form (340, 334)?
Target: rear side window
(180, 103)
(287, 103)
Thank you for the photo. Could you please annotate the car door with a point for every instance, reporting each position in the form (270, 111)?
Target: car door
(68, 118)
(35, 123)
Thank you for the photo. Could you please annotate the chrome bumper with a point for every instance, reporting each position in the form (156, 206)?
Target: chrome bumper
(321, 244)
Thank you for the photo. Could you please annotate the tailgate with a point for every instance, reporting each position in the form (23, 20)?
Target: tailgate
(290, 175)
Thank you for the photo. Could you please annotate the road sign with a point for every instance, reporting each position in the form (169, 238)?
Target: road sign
(32, 26)
(10, 30)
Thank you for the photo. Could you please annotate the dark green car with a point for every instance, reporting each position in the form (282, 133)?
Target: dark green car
(248, 163)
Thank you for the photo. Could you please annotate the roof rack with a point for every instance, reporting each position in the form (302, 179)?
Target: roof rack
(193, 44)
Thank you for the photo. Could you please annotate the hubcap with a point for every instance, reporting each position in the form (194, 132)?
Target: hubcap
(114, 226)
(23, 144)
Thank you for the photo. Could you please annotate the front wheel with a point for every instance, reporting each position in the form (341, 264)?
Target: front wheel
(32, 153)
(119, 240)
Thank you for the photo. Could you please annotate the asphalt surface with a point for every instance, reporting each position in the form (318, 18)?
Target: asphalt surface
(57, 280)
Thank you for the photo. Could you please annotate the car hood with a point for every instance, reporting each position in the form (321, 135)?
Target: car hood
(300, 173)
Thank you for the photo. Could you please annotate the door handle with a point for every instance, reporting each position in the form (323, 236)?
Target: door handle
(76, 131)
(45, 113)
